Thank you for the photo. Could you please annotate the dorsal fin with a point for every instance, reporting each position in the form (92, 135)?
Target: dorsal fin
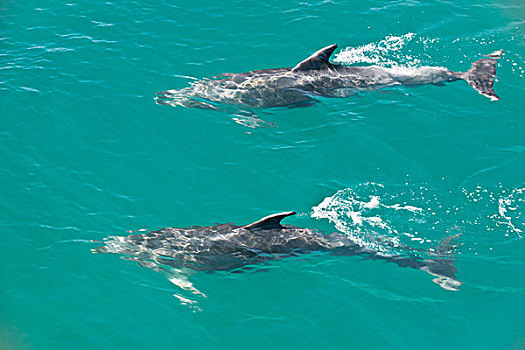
(318, 60)
(269, 222)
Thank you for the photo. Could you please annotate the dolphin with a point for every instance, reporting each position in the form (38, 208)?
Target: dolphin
(314, 77)
(229, 247)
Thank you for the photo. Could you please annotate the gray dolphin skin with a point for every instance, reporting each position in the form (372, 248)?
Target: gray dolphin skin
(229, 247)
(317, 77)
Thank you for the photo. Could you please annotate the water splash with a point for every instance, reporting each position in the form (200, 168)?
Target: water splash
(385, 218)
(370, 216)
(387, 53)
(507, 206)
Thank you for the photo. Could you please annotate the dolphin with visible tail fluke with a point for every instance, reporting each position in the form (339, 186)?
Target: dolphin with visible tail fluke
(315, 77)
(229, 247)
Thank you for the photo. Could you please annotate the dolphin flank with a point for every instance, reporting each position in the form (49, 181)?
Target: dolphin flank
(229, 247)
(317, 77)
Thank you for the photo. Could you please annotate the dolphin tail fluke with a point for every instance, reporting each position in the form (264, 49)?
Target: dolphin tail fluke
(482, 74)
(442, 266)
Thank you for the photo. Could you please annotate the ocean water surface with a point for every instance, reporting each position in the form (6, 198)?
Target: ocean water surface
(86, 153)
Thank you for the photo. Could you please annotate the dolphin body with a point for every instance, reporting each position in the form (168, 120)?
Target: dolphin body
(316, 76)
(229, 247)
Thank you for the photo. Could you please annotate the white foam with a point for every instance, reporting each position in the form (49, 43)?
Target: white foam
(351, 215)
(377, 218)
(386, 52)
(374, 203)
(410, 208)
(504, 205)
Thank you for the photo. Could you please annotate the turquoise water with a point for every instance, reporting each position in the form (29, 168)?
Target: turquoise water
(86, 154)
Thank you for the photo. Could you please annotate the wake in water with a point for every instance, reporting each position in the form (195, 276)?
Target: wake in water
(388, 52)
(386, 218)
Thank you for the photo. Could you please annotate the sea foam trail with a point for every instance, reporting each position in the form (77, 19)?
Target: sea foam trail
(387, 52)
(386, 218)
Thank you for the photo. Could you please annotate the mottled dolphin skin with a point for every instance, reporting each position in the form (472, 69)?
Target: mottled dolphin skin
(316, 76)
(229, 247)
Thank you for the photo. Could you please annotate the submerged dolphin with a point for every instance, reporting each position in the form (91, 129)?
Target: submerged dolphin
(228, 247)
(316, 76)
